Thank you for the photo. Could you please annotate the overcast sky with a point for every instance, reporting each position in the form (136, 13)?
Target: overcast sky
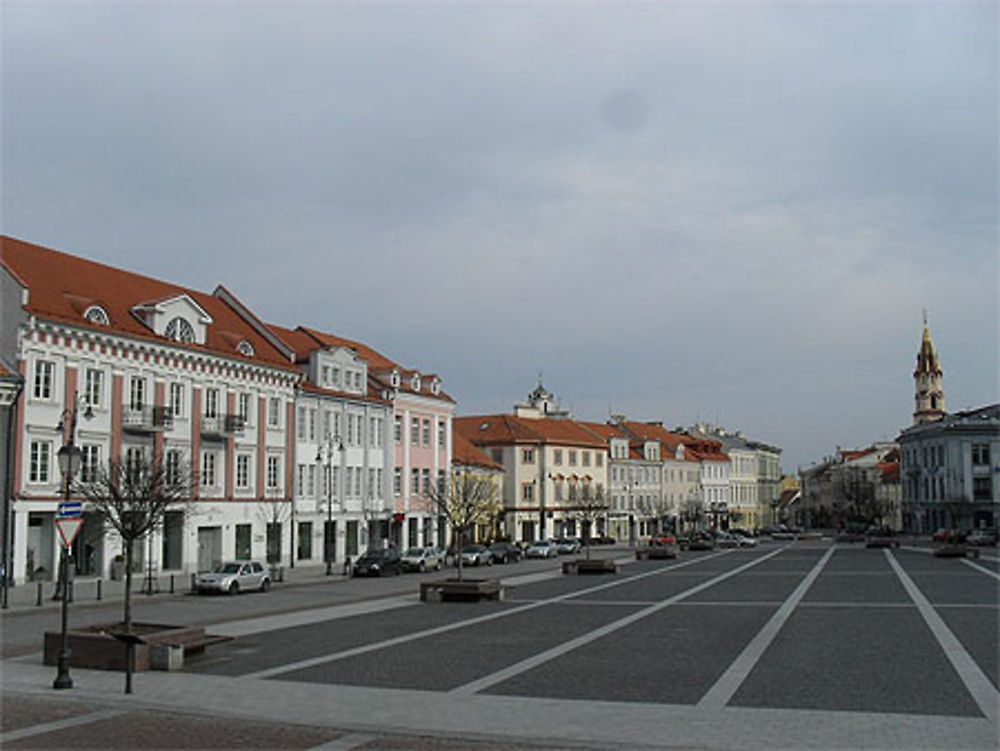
(729, 212)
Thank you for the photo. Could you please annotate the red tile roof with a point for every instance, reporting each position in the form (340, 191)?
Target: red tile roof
(463, 453)
(497, 430)
(62, 286)
(304, 340)
(890, 471)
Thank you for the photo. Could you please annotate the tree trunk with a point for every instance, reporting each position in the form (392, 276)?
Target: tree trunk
(458, 552)
(128, 589)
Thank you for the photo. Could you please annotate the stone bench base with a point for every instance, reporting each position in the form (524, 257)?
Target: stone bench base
(162, 647)
(593, 566)
(467, 590)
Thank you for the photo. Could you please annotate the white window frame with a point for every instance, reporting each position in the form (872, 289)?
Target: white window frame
(40, 462)
(209, 469)
(93, 388)
(176, 396)
(243, 471)
(44, 387)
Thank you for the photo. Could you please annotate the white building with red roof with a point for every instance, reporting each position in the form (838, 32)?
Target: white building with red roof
(151, 369)
(551, 464)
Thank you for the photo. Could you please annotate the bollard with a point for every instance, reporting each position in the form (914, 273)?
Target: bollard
(194, 582)
(38, 601)
(99, 582)
(171, 584)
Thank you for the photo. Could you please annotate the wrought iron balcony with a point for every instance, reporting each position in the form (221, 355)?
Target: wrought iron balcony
(146, 419)
(220, 426)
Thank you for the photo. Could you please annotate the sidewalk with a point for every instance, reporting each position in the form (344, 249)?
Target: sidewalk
(39, 596)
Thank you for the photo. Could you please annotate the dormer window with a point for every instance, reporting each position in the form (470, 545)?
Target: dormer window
(179, 330)
(245, 348)
(395, 379)
(436, 386)
(97, 314)
(415, 383)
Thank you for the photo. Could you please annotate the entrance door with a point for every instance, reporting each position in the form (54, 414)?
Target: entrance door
(209, 547)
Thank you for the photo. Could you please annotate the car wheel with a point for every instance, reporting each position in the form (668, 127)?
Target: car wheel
(234, 588)
(265, 585)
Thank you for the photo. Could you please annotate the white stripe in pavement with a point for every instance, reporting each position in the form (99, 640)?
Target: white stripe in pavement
(985, 570)
(345, 743)
(395, 641)
(250, 626)
(976, 682)
(729, 682)
(51, 727)
(525, 665)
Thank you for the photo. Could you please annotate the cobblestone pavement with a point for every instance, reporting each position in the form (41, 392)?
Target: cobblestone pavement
(805, 645)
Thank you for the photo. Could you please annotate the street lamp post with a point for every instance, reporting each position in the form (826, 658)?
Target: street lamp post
(69, 465)
(328, 531)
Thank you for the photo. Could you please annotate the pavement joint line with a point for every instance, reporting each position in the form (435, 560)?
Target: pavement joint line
(405, 638)
(522, 666)
(63, 724)
(345, 742)
(985, 570)
(729, 682)
(274, 622)
(976, 683)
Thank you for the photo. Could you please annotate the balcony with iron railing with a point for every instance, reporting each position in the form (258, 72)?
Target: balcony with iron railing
(147, 419)
(221, 426)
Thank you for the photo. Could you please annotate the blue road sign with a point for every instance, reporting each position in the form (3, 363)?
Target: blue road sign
(70, 509)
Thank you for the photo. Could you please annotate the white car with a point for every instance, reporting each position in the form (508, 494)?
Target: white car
(541, 549)
(476, 555)
(235, 577)
(422, 559)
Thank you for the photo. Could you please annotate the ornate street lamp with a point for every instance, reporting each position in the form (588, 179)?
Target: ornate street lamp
(328, 531)
(69, 464)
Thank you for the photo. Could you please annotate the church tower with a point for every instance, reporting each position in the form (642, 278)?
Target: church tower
(927, 382)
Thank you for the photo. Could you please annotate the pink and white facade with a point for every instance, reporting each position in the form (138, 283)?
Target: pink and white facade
(150, 368)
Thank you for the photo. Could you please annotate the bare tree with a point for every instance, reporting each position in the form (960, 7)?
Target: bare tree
(133, 498)
(693, 512)
(274, 512)
(590, 509)
(467, 499)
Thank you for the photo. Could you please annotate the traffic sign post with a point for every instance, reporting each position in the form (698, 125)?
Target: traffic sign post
(68, 528)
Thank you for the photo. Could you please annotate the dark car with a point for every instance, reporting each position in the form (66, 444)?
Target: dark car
(701, 541)
(881, 537)
(505, 552)
(379, 563)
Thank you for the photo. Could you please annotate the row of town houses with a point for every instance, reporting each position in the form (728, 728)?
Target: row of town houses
(306, 446)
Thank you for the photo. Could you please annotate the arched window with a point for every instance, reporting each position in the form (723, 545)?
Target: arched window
(245, 348)
(97, 314)
(179, 330)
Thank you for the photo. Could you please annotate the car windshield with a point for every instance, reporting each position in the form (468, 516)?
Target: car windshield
(227, 568)
(541, 543)
(472, 549)
(415, 553)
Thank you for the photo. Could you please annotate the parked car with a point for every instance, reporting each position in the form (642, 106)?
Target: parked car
(234, 577)
(505, 552)
(567, 545)
(379, 563)
(701, 541)
(881, 538)
(476, 555)
(726, 540)
(541, 549)
(745, 541)
(658, 546)
(981, 537)
(948, 535)
(421, 559)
